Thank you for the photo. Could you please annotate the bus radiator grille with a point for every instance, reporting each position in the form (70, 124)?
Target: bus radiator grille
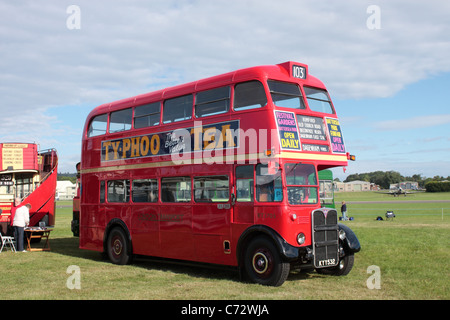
(325, 237)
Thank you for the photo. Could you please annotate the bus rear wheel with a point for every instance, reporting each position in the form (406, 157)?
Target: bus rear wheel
(118, 247)
(263, 263)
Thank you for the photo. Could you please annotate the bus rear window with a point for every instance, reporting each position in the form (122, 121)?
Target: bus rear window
(318, 100)
(98, 126)
(287, 95)
(249, 95)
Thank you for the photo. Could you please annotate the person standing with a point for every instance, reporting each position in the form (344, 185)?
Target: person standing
(17, 204)
(344, 211)
(21, 220)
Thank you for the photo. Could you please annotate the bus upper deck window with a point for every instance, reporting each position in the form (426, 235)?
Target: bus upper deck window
(211, 102)
(147, 115)
(287, 95)
(97, 126)
(178, 109)
(249, 95)
(318, 100)
(120, 120)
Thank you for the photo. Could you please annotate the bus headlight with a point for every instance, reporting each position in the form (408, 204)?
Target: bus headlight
(301, 238)
(342, 234)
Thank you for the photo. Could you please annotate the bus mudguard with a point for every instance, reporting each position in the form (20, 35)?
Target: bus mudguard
(287, 251)
(351, 242)
(114, 223)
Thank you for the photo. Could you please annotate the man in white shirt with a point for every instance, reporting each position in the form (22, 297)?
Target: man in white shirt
(21, 220)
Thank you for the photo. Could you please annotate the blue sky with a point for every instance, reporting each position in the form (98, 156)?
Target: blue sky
(389, 84)
(408, 132)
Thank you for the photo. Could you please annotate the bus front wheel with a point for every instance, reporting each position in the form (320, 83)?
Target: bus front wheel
(263, 263)
(118, 247)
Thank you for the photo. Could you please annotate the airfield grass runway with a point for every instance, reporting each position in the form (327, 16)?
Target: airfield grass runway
(411, 252)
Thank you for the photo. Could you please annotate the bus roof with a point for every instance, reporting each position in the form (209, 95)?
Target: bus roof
(280, 72)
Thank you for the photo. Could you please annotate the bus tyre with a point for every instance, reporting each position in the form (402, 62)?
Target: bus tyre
(263, 263)
(118, 247)
(342, 269)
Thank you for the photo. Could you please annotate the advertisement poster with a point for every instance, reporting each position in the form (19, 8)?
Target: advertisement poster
(336, 138)
(287, 130)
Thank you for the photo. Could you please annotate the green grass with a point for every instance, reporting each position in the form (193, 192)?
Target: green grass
(412, 251)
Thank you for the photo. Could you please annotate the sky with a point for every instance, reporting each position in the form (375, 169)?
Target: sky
(386, 65)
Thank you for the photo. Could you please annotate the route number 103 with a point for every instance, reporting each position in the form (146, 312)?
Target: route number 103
(299, 72)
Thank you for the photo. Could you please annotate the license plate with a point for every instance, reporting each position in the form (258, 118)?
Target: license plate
(326, 263)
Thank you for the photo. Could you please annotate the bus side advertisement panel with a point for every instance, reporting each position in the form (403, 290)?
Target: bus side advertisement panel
(198, 138)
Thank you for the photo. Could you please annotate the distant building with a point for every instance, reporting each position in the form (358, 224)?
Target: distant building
(65, 190)
(353, 186)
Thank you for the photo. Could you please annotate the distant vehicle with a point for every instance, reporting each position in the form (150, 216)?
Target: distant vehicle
(326, 188)
(28, 174)
(398, 192)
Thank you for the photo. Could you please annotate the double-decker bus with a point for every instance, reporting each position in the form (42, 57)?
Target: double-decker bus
(326, 188)
(29, 174)
(221, 171)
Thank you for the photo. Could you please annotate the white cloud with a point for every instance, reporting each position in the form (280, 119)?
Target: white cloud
(128, 48)
(413, 123)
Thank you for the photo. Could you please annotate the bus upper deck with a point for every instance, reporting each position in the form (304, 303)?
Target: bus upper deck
(215, 117)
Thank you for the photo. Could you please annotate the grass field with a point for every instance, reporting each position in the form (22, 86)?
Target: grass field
(412, 253)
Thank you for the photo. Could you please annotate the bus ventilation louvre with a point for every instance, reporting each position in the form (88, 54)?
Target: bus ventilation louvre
(325, 237)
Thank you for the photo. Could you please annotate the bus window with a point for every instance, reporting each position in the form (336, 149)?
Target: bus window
(120, 120)
(147, 115)
(287, 95)
(318, 100)
(97, 126)
(244, 183)
(178, 109)
(211, 102)
(268, 184)
(301, 183)
(23, 184)
(118, 191)
(176, 189)
(249, 95)
(145, 190)
(102, 191)
(211, 189)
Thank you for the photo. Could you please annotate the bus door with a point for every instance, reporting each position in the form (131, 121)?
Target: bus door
(211, 219)
(244, 197)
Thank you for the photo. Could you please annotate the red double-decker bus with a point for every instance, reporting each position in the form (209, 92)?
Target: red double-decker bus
(222, 171)
(29, 174)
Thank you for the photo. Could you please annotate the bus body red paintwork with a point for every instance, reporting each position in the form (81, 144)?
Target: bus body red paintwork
(220, 144)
